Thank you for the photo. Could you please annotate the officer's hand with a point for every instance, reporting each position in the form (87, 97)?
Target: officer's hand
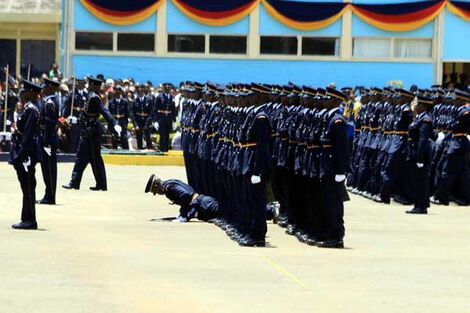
(8, 122)
(180, 219)
(340, 178)
(48, 150)
(255, 179)
(174, 126)
(156, 125)
(136, 127)
(118, 129)
(419, 165)
(26, 164)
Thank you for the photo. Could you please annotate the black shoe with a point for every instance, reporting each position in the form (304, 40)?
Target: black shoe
(249, 242)
(98, 188)
(461, 202)
(438, 202)
(406, 202)
(282, 222)
(45, 201)
(311, 241)
(335, 243)
(290, 229)
(70, 186)
(25, 225)
(417, 211)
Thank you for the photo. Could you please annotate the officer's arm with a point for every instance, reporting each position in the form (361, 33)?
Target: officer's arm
(27, 142)
(340, 136)
(263, 138)
(133, 113)
(107, 115)
(425, 132)
(50, 118)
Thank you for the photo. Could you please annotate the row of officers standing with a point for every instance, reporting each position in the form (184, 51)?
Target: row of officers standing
(412, 158)
(301, 143)
(34, 139)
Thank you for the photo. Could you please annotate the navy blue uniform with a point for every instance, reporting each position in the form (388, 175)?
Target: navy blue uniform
(25, 149)
(334, 161)
(49, 142)
(190, 203)
(80, 98)
(142, 110)
(119, 109)
(165, 115)
(420, 151)
(89, 148)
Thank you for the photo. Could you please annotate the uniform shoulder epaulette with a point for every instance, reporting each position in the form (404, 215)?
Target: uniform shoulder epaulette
(339, 120)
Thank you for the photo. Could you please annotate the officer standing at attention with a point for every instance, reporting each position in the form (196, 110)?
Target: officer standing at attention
(142, 117)
(165, 115)
(420, 154)
(48, 140)
(333, 167)
(119, 108)
(24, 153)
(91, 135)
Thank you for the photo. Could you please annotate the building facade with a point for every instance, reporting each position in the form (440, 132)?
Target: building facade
(170, 46)
(29, 35)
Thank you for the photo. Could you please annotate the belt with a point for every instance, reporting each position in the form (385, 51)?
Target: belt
(274, 135)
(374, 128)
(400, 132)
(195, 130)
(142, 114)
(313, 147)
(284, 139)
(460, 135)
(245, 145)
(77, 108)
(164, 111)
(210, 135)
(118, 115)
(357, 130)
(365, 127)
(327, 146)
(302, 143)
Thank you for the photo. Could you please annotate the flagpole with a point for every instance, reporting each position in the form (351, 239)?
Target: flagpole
(7, 74)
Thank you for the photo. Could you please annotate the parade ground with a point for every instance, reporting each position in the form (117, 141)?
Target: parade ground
(106, 252)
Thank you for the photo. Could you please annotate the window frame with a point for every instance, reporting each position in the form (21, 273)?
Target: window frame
(113, 44)
(338, 38)
(115, 41)
(280, 56)
(208, 37)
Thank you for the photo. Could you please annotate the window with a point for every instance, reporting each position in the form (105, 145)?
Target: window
(278, 45)
(320, 46)
(135, 42)
(227, 44)
(412, 48)
(8, 55)
(93, 41)
(37, 57)
(186, 43)
(371, 47)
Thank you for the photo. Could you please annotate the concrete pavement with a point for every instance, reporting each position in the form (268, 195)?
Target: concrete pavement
(101, 252)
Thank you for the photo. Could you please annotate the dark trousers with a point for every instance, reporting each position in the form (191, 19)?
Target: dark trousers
(333, 209)
(148, 141)
(164, 130)
(420, 185)
(27, 181)
(453, 167)
(89, 151)
(120, 139)
(280, 186)
(74, 138)
(256, 210)
(49, 174)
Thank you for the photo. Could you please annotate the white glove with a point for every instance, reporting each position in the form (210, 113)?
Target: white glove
(156, 125)
(339, 178)
(180, 219)
(174, 126)
(26, 164)
(48, 150)
(72, 120)
(255, 179)
(118, 129)
(419, 165)
(8, 122)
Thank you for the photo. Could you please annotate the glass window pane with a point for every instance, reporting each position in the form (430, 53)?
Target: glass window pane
(413, 48)
(371, 47)
(320, 46)
(136, 42)
(93, 41)
(228, 44)
(186, 43)
(278, 45)
(37, 57)
(8, 54)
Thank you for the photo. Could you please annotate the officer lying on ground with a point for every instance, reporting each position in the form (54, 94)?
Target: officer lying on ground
(192, 204)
